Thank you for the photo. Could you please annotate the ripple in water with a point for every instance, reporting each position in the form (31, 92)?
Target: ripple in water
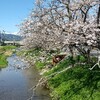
(15, 83)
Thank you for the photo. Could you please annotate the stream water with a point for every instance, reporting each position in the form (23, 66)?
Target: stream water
(15, 82)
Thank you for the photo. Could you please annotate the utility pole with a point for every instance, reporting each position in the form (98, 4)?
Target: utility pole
(3, 40)
(0, 38)
(2, 33)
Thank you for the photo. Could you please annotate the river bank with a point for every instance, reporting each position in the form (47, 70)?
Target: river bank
(65, 82)
(15, 83)
(5, 51)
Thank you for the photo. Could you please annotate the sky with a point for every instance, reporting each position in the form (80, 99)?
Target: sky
(13, 12)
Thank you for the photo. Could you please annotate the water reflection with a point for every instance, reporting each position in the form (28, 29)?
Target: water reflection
(15, 83)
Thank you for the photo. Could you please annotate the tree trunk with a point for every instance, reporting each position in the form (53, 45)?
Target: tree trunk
(98, 15)
(72, 54)
(88, 56)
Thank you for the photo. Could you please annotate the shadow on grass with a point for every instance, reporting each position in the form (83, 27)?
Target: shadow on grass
(78, 83)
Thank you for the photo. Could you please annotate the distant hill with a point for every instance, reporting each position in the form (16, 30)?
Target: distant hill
(10, 37)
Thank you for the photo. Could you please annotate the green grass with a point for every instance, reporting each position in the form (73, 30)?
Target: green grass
(36, 53)
(77, 83)
(40, 65)
(7, 47)
(31, 52)
(4, 54)
(3, 61)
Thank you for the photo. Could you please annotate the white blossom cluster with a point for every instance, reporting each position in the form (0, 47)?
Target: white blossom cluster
(82, 33)
(55, 23)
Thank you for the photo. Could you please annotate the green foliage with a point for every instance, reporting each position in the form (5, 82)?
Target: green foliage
(36, 53)
(3, 56)
(31, 52)
(68, 62)
(40, 65)
(94, 59)
(77, 83)
(3, 61)
(7, 47)
(80, 58)
(63, 64)
(20, 53)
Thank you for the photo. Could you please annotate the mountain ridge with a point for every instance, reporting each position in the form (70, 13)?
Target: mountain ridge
(10, 37)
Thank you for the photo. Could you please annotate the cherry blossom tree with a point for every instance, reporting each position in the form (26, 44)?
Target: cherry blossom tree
(59, 23)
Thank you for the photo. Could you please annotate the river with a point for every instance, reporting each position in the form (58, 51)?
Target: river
(17, 79)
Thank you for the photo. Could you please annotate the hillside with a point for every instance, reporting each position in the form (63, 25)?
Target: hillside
(10, 37)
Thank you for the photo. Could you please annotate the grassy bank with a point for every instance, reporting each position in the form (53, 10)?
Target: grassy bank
(76, 83)
(37, 56)
(5, 51)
